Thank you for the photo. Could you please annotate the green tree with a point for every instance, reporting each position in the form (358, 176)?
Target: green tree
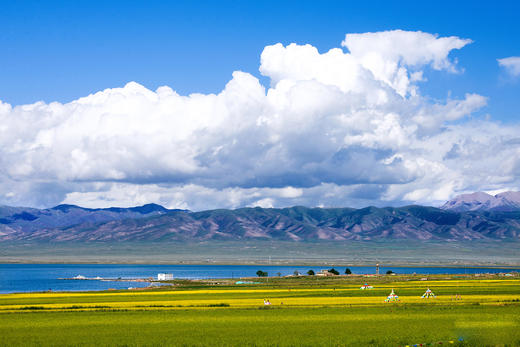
(261, 273)
(334, 271)
(348, 272)
(310, 272)
(389, 272)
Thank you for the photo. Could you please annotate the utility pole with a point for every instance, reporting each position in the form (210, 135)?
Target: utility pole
(377, 269)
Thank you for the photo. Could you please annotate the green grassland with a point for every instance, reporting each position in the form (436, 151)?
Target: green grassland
(308, 311)
(396, 252)
(385, 326)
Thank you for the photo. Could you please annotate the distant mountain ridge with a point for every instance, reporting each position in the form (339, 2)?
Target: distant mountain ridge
(31, 219)
(480, 201)
(156, 223)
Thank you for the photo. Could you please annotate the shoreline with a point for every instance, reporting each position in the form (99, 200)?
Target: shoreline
(155, 284)
(150, 283)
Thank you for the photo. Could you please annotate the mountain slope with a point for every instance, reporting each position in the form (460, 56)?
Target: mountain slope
(480, 201)
(24, 219)
(295, 224)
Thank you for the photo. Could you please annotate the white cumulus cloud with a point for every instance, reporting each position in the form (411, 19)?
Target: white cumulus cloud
(346, 127)
(511, 65)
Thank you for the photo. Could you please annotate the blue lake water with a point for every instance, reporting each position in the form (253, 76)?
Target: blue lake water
(42, 277)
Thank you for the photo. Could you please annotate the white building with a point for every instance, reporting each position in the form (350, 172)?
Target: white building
(164, 277)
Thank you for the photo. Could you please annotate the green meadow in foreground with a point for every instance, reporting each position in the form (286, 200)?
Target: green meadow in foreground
(304, 311)
(385, 325)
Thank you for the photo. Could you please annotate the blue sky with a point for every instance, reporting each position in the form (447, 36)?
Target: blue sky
(375, 103)
(62, 50)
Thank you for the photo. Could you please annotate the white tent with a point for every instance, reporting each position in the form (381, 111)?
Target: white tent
(366, 286)
(428, 294)
(392, 297)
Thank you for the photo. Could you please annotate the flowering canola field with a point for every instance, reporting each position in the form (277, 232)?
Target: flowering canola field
(336, 312)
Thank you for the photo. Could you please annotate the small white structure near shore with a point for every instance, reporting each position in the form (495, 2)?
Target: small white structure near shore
(325, 273)
(164, 277)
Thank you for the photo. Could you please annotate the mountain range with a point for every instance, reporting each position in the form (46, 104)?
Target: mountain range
(480, 201)
(477, 216)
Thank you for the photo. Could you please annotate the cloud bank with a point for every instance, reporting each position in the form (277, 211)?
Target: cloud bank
(348, 127)
(511, 65)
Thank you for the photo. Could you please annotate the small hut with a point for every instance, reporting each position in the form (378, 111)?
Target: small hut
(165, 277)
(366, 286)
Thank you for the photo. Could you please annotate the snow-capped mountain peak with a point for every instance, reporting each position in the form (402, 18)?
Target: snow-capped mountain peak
(480, 201)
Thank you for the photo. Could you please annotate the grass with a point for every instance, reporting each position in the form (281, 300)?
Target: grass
(386, 325)
(303, 312)
(322, 253)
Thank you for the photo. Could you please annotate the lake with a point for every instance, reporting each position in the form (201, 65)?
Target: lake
(43, 277)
